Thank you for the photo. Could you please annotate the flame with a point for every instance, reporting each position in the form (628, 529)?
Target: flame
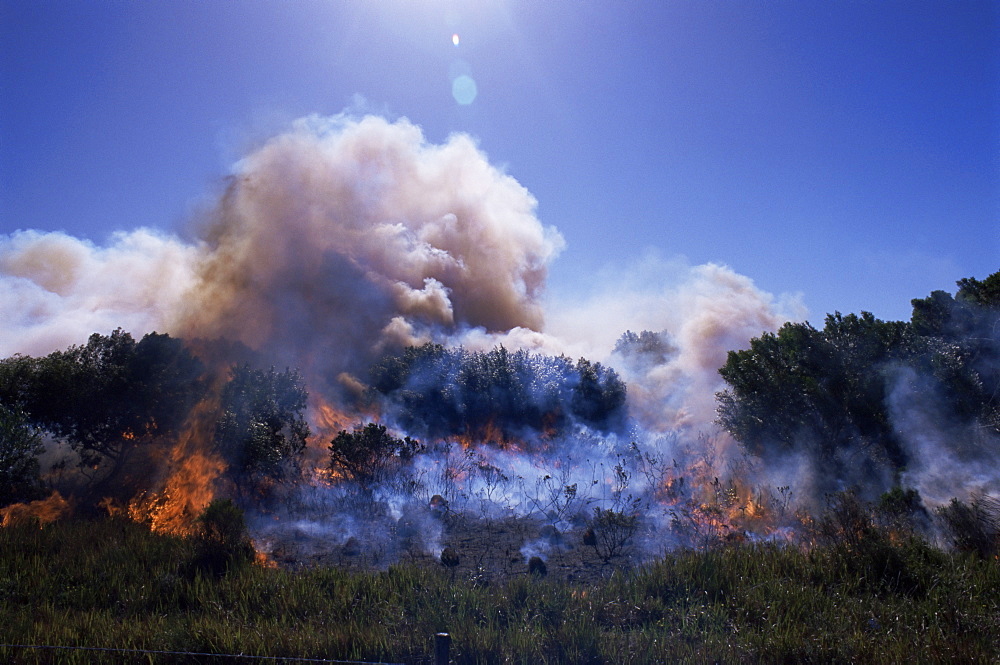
(190, 486)
(43, 511)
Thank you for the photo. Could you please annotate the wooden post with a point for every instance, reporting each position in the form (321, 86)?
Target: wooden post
(442, 643)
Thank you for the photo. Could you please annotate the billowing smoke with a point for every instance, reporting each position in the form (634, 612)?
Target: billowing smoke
(340, 238)
(343, 240)
(55, 290)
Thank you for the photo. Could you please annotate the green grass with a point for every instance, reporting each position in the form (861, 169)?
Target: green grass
(111, 583)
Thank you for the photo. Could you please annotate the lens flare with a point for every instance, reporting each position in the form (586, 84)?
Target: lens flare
(463, 89)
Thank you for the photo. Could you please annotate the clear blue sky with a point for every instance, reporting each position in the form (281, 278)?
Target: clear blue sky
(846, 150)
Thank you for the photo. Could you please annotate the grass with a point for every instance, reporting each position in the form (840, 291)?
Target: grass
(111, 583)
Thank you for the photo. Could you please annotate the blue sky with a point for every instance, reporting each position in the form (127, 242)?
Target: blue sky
(849, 151)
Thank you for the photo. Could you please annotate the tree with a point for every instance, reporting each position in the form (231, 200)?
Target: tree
(369, 453)
(20, 445)
(818, 392)
(108, 396)
(965, 334)
(598, 396)
(261, 428)
(824, 393)
(644, 350)
(495, 395)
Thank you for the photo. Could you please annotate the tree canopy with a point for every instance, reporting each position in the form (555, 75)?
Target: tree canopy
(261, 426)
(368, 453)
(107, 396)
(443, 392)
(824, 392)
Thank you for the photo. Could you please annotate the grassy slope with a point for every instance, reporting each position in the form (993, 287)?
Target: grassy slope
(112, 583)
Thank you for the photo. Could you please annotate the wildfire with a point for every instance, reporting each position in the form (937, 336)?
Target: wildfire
(42, 511)
(190, 486)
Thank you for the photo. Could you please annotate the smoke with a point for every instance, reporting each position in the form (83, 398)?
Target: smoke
(55, 290)
(949, 458)
(700, 312)
(344, 238)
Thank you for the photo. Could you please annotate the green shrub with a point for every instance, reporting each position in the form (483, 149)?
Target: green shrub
(222, 540)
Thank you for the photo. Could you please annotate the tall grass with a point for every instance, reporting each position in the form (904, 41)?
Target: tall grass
(111, 583)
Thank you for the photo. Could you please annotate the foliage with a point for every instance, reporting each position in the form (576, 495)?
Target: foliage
(825, 393)
(261, 428)
(20, 445)
(108, 396)
(974, 526)
(369, 453)
(496, 394)
(222, 542)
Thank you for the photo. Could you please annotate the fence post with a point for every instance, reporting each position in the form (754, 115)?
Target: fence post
(442, 643)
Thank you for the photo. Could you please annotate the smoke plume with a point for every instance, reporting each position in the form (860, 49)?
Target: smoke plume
(342, 239)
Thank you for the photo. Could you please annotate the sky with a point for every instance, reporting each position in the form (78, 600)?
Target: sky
(843, 153)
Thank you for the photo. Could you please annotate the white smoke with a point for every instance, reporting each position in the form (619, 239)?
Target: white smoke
(56, 290)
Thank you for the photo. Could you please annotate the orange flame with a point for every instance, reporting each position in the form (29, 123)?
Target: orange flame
(42, 511)
(190, 487)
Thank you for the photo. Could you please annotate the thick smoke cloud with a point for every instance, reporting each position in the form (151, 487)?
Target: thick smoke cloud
(701, 313)
(341, 237)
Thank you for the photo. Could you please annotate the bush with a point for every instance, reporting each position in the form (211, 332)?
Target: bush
(369, 453)
(974, 527)
(222, 541)
(610, 532)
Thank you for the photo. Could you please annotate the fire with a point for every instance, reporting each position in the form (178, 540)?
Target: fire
(42, 511)
(190, 486)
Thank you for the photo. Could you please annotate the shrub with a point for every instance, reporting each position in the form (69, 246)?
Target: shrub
(974, 527)
(369, 453)
(610, 532)
(222, 542)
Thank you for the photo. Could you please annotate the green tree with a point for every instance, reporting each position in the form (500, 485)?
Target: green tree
(108, 396)
(823, 393)
(261, 428)
(20, 445)
(818, 392)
